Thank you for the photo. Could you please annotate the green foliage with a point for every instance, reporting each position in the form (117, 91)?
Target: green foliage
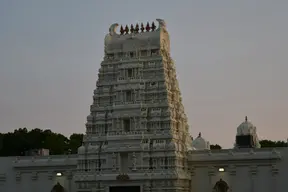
(75, 141)
(264, 144)
(21, 140)
(272, 144)
(213, 147)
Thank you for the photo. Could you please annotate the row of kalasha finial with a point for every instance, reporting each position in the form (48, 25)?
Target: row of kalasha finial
(142, 29)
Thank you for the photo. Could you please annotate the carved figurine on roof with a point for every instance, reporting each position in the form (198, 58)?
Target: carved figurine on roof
(136, 37)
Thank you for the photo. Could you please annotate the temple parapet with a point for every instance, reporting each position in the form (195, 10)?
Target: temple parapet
(58, 160)
(227, 155)
(137, 28)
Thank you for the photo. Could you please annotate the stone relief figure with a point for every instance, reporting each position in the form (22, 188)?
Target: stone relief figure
(162, 23)
(134, 161)
(114, 161)
(58, 188)
(220, 186)
(112, 29)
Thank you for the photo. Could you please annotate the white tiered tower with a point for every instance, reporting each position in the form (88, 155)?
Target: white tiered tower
(137, 133)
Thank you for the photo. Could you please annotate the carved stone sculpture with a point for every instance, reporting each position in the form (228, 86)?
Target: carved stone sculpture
(134, 161)
(114, 161)
(112, 29)
(162, 23)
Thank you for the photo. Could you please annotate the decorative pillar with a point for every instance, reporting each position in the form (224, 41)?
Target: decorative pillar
(118, 161)
(69, 177)
(34, 177)
(192, 174)
(211, 173)
(135, 125)
(134, 161)
(147, 186)
(18, 176)
(274, 173)
(114, 161)
(50, 175)
(253, 174)
(2, 178)
(18, 180)
(232, 173)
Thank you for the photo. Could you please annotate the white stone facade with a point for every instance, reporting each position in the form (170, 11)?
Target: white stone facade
(252, 170)
(137, 134)
(137, 130)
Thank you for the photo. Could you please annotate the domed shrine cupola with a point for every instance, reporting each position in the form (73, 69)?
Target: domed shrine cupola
(200, 143)
(246, 136)
(81, 149)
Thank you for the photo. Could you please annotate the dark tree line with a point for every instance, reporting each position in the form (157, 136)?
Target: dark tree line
(21, 140)
(272, 144)
(264, 144)
(212, 147)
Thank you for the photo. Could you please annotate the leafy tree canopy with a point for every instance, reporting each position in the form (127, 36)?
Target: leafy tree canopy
(213, 147)
(20, 141)
(272, 144)
(264, 144)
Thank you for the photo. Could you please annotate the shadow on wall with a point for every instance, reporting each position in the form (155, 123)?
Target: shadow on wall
(58, 188)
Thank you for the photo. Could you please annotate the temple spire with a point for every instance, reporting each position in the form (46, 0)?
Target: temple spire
(246, 118)
(199, 135)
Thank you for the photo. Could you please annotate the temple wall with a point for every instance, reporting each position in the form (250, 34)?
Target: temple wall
(27, 175)
(264, 170)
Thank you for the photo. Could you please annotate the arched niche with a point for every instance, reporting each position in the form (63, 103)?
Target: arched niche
(220, 186)
(58, 188)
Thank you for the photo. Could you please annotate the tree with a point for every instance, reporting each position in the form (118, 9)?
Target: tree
(57, 144)
(20, 141)
(213, 147)
(1, 141)
(264, 144)
(272, 144)
(75, 142)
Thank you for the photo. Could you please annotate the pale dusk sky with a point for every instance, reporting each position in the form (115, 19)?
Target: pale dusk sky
(231, 60)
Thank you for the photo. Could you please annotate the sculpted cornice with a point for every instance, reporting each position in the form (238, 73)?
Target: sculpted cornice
(45, 161)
